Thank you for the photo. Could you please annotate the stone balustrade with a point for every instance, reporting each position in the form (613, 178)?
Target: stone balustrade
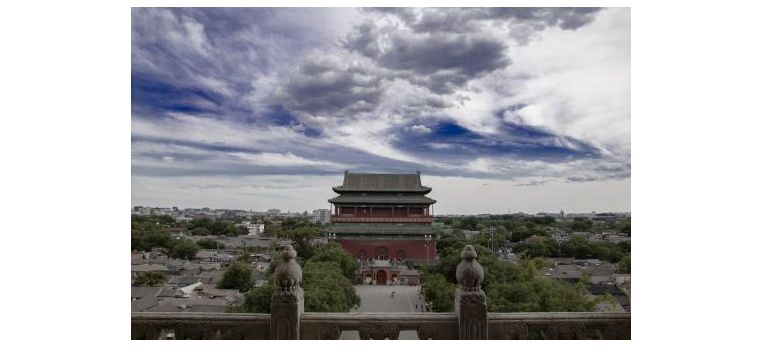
(470, 321)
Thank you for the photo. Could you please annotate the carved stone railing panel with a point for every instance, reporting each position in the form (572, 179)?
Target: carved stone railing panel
(379, 326)
(508, 331)
(437, 332)
(379, 331)
(559, 326)
(200, 326)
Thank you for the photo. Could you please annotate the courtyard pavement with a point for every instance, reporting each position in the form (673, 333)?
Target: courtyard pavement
(378, 299)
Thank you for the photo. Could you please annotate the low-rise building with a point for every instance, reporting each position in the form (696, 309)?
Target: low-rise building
(253, 228)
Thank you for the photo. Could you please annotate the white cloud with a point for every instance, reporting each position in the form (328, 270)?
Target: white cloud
(281, 160)
(575, 83)
(420, 129)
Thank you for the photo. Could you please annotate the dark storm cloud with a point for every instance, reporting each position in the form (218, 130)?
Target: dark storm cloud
(325, 86)
(205, 60)
(444, 49)
(460, 19)
(439, 61)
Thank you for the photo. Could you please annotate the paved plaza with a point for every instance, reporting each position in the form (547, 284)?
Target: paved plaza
(378, 299)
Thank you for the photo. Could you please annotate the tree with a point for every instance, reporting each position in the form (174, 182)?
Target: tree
(145, 240)
(439, 293)
(150, 278)
(328, 284)
(581, 224)
(509, 287)
(624, 265)
(302, 235)
(210, 244)
(624, 228)
(337, 255)
(257, 300)
(200, 231)
(326, 289)
(237, 276)
(522, 232)
(184, 249)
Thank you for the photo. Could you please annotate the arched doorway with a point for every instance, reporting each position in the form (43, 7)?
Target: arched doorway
(381, 277)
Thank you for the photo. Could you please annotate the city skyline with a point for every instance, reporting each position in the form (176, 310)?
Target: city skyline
(502, 110)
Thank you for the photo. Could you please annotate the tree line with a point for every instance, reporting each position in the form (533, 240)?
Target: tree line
(328, 283)
(509, 287)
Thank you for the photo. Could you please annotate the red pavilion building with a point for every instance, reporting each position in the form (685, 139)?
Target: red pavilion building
(384, 220)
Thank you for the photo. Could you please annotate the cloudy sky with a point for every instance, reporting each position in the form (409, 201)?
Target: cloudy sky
(502, 110)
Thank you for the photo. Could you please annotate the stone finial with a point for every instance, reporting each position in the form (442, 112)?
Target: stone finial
(288, 274)
(469, 273)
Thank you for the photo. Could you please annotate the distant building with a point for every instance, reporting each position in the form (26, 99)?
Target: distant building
(253, 228)
(273, 211)
(183, 218)
(322, 215)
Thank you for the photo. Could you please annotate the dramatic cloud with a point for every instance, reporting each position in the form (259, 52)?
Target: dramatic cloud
(325, 86)
(241, 101)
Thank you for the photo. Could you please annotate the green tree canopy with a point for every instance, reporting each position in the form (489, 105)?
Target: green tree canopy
(145, 240)
(581, 224)
(201, 226)
(237, 276)
(257, 300)
(328, 283)
(326, 289)
(439, 292)
(338, 256)
(624, 265)
(184, 249)
(150, 278)
(210, 244)
(201, 231)
(509, 287)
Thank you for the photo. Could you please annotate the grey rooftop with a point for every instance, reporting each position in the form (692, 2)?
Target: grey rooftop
(366, 182)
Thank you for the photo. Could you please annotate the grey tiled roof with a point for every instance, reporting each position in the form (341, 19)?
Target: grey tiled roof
(143, 304)
(165, 307)
(142, 292)
(382, 182)
(206, 308)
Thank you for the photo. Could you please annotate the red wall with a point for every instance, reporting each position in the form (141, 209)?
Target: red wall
(414, 249)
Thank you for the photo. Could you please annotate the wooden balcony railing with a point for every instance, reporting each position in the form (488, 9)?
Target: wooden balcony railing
(469, 321)
(355, 219)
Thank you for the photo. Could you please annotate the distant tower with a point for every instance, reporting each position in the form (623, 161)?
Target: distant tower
(384, 217)
(562, 214)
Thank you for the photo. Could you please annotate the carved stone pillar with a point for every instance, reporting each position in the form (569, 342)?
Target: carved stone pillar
(470, 300)
(287, 302)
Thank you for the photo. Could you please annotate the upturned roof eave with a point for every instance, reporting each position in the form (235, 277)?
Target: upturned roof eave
(422, 189)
